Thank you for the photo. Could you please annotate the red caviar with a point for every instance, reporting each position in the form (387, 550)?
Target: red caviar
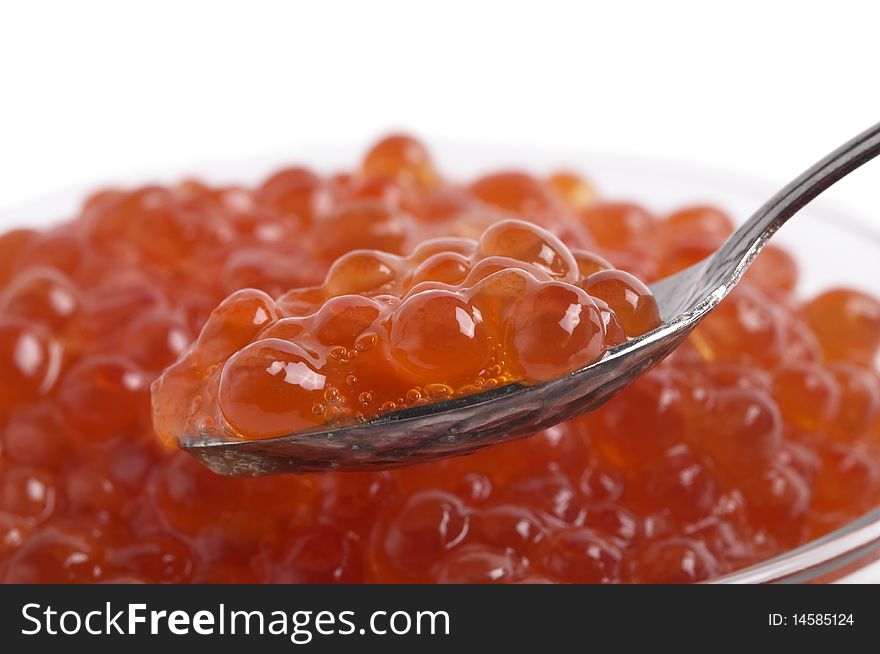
(760, 433)
(455, 317)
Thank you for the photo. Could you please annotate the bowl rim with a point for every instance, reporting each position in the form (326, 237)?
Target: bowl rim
(835, 552)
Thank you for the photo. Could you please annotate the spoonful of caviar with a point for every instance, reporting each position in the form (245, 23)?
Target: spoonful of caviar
(461, 344)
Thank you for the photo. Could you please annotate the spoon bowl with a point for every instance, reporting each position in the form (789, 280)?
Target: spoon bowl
(463, 425)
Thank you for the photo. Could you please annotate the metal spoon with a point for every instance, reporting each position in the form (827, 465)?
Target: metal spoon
(466, 424)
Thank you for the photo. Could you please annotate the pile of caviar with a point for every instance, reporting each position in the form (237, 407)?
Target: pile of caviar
(387, 332)
(760, 433)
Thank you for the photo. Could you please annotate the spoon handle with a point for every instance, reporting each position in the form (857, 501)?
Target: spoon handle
(714, 277)
(747, 241)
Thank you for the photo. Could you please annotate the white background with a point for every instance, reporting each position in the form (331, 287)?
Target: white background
(91, 90)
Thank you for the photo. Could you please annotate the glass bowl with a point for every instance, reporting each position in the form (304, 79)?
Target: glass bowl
(834, 246)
